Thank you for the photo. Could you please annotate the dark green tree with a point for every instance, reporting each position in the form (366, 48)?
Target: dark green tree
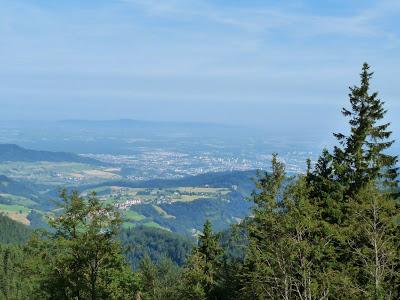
(372, 239)
(200, 274)
(15, 280)
(148, 275)
(325, 190)
(209, 248)
(160, 280)
(361, 156)
(82, 258)
(286, 242)
(264, 231)
(194, 279)
(337, 181)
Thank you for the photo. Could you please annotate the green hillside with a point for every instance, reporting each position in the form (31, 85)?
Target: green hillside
(10, 186)
(12, 152)
(12, 232)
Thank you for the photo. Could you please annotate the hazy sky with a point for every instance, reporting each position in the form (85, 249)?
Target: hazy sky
(242, 62)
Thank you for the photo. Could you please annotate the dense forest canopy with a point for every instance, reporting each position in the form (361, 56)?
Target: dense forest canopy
(13, 232)
(332, 233)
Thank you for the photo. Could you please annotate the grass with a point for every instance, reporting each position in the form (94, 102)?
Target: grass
(43, 172)
(207, 190)
(190, 198)
(107, 201)
(97, 190)
(16, 212)
(133, 216)
(19, 200)
(14, 208)
(155, 225)
(127, 225)
(163, 213)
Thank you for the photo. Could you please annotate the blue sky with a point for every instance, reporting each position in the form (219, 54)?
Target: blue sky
(242, 62)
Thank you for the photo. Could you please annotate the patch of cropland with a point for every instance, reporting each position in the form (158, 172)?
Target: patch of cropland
(57, 173)
(18, 200)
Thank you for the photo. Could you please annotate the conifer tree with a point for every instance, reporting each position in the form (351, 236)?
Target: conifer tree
(259, 272)
(148, 274)
(160, 280)
(14, 282)
(283, 259)
(210, 249)
(361, 156)
(194, 280)
(325, 190)
(372, 238)
(81, 259)
(338, 187)
(200, 275)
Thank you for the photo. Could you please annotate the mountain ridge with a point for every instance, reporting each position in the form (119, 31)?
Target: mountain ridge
(13, 152)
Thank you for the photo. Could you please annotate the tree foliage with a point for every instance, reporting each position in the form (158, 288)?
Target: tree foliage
(82, 259)
(360, 157)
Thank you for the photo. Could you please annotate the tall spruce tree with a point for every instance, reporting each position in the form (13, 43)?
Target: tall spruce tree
(361, 156)
(284, 259)
(210, 249)
(342, 187)
(260, 271)
(200, 275)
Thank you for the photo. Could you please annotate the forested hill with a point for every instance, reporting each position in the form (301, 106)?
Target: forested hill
(12, 152)
(156, 243)
(12, 232)
(10, 186)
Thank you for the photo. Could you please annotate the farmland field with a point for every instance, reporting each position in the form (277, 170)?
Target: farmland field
(57, 173)
(16, 212)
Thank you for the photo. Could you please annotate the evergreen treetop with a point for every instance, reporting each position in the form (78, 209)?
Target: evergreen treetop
(361, 156)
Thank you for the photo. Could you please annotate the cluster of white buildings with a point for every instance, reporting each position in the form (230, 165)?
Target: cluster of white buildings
(125, 205)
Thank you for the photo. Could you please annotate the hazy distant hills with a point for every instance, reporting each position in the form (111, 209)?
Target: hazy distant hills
(131, 123)
(12, 152)
(151, 128)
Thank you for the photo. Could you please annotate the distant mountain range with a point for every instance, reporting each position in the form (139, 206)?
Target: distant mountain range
(127, 123)
(12, 152)
(150, 128)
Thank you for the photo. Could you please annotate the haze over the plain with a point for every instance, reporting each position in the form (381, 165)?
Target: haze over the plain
(238, 62)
